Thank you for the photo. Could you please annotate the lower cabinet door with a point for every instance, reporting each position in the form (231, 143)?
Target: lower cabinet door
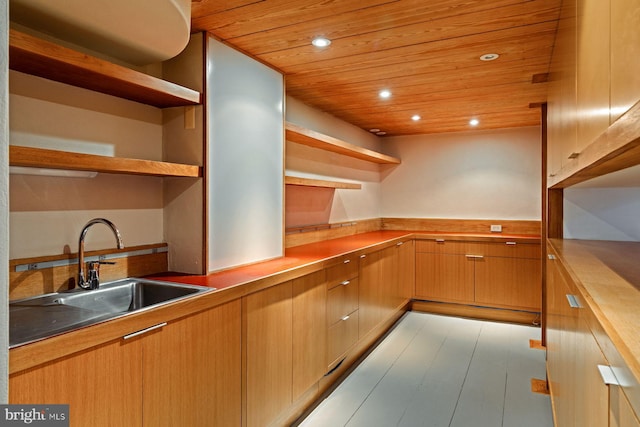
(267, 342)
(620, 411)
(309, 333)
(101, 385)
(445, 277)
(192, 370)
(509, 282)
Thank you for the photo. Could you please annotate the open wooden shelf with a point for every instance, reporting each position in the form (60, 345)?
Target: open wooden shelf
(315, 139)
(307, 182)
(54, 159)
(31, 55)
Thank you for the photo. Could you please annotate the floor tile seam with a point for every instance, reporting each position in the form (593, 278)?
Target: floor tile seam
(455, 408)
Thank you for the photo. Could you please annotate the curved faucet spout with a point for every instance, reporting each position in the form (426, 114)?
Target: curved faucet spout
(92, 281)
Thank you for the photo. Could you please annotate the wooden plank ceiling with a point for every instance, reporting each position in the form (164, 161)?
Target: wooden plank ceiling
(426, 52)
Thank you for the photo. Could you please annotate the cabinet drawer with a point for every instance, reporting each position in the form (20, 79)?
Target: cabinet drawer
(342, 300)
(514, 250)
(443, 246)
(341, 337)
(346, 269)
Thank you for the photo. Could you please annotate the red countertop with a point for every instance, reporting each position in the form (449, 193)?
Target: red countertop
(313, 253)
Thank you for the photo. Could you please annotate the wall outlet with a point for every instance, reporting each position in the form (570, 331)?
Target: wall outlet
(496, 228)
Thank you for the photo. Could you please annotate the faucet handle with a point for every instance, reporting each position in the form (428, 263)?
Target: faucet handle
(93, 273)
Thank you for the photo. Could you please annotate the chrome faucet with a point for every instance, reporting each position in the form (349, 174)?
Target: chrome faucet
(93, 279)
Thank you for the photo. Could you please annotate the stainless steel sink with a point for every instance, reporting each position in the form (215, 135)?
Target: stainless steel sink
(43, 316)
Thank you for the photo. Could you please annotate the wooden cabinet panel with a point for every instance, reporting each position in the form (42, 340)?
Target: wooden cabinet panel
(342, 300)
(268, 337)
(309, 343)
(592, 70)
(625, 56)
(341, 336)
(445, 277)
(369, 292)
(345, 269)
(192, 370)
(591, 393)
(508, 282)
(406, 270)
(103, 385)
(513, 250)
(379, 290)
(562, 344)
(620, 412)
(562, 125)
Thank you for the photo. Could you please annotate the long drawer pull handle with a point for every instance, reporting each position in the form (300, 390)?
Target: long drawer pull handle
(475, 256)
(346, 261)
(345, 317)
(511, 243)
(345, 283)
(144, 331)
(439, 240)
(573, 301)
(399, 243)
(362, 256)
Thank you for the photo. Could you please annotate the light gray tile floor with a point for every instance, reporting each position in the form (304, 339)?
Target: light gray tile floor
(443, 371)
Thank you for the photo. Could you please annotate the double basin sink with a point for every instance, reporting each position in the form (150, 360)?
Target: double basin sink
(35, 318)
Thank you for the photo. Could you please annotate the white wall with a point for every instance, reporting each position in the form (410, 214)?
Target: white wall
(307, 206)
(602, 213)
(245, 159)
(4, 201)
(471, 175)
(47, 213)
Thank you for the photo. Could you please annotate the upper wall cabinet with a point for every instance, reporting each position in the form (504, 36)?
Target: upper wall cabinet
(625, 56)
(37, 57)
(593, 109)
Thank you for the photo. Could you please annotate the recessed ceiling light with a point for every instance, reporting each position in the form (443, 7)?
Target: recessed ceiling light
(415, 117)
(474, 122)
(381, 133)
(321, 42)
(489, 57)
(374, 130)
(384, 94)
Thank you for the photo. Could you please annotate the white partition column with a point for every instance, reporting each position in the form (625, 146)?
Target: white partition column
(245, 107)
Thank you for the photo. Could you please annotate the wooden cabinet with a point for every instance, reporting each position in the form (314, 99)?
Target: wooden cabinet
(503, 275)
(443, 272)
(382, 290)
(592, 83)
(284, 336)
(309, 331)
(187, 372)
(579, 393)
(87, 381)
(592, 71)
(620, 412)
(267, 344)
(562, 126)
(625, 56)
(192, 370)
(342, 310)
